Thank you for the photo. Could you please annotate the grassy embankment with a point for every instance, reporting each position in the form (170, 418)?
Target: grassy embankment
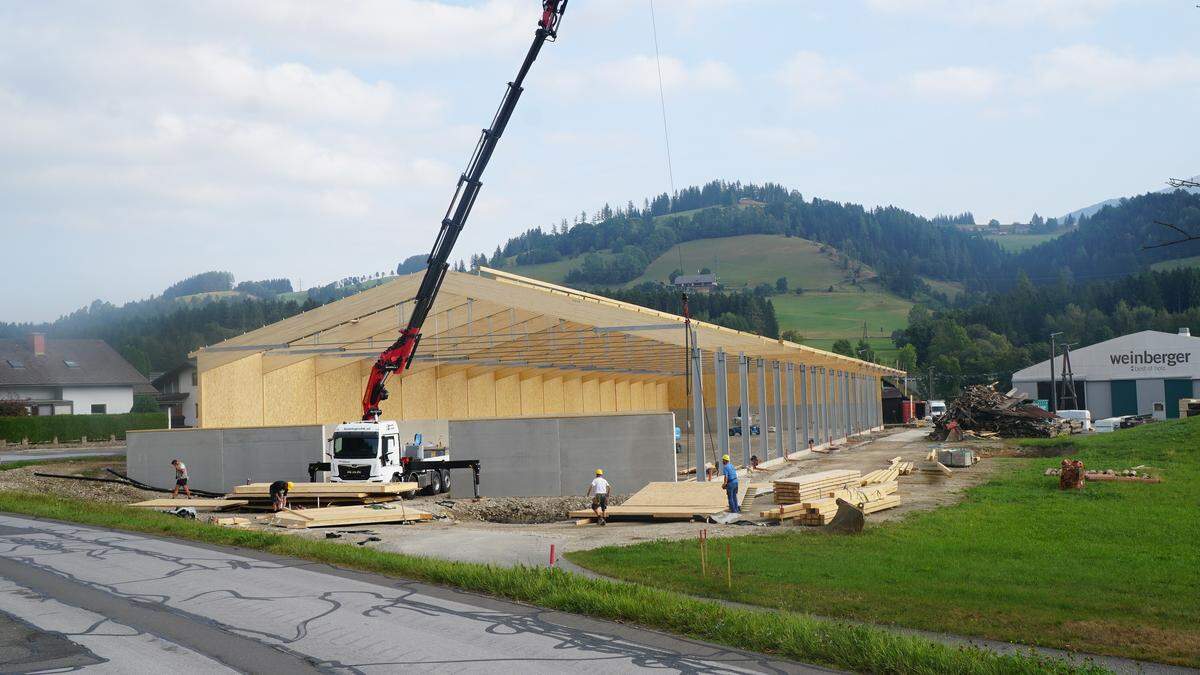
(786, 634)
(1112, 569)
(22, 463)
(1015, 243)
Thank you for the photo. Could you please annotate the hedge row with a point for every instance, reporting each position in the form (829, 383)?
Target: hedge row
(66, 428)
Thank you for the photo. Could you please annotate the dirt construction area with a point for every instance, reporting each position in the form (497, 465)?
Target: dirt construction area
(513, 530)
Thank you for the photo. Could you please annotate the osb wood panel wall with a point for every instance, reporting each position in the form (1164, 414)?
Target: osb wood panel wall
(254, 391)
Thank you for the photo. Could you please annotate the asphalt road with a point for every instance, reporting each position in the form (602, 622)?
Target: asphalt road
(61, 453)
(76, 597)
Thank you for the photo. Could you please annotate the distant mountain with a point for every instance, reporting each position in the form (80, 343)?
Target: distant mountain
(1095, 208)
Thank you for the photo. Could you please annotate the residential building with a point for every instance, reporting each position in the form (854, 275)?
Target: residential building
(176, 394)
(65, 377)
(696, 282)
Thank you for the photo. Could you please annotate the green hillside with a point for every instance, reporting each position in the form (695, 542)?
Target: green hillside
(1167, 265)
(1015, 243)
(742, 262)
(753, 259)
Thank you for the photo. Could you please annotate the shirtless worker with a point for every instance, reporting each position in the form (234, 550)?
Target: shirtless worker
(599, 491)
(181, 479)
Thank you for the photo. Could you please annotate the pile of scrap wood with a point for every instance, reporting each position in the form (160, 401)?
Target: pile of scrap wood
(821, 509)
(258, 495)
(670, 501)
(813, 485)
(905, 468)
(983, 410)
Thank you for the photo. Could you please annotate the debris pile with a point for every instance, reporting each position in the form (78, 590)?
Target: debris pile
(1072, 472)
(985, 411)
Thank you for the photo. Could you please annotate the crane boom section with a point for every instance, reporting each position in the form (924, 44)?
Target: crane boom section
(400, 354)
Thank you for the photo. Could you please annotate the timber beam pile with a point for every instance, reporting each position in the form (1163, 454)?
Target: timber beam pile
(813, 485)
(984, 410)
(324, 494)
(820, 510)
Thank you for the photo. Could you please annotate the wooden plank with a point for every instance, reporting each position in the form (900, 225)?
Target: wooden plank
(347, 515)
(198, 504)
(314, 490)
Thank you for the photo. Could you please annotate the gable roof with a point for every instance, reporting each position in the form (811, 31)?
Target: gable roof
(683, 279)
(497, 318)
(98, 364)
(1145, 354)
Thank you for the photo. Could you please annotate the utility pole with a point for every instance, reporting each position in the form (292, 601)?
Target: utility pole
(1053, 384)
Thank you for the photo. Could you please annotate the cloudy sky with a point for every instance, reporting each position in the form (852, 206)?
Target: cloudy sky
(142, 142)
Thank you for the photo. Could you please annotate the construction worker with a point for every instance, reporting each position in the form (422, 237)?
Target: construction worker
(279, 492)
(730, 483)
(599, 491)
(181, 479)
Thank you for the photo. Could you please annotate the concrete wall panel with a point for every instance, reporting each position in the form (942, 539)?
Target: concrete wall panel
(218, 459)
(517, 456)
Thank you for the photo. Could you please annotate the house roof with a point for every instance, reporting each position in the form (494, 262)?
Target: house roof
(97, 364)
(498, 319)
(162, 379)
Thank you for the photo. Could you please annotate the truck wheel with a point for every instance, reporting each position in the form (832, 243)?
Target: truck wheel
(445, 480)
(435, 483)
(397, 478)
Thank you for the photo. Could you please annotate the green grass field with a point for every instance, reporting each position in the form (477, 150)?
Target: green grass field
(842, 313)
(1111, 569)
(1178, 263)
(1015, 243)
(951, 289)
(787, 634)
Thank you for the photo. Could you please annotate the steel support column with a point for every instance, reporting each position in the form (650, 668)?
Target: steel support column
(698, 410)
(760, 367)
(805, 414)
(790, 386)
(744, 405)
(721, 397)
(778, 406)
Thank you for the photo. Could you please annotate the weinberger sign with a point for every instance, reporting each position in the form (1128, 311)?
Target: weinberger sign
(1146, 361)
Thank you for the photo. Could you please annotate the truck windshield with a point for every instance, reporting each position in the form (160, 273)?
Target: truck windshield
(356, 447)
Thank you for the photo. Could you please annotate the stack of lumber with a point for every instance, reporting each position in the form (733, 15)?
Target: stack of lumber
(819, 510)
(324, 494)
(905, 468)
(198, 504)
(757, 489)
(881, 476)
(982, 409)
(348, 515)
(671, 501)
(797, 489)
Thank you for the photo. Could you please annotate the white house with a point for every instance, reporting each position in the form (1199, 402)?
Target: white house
(177, 393)
(65, 377)
(1125, 375)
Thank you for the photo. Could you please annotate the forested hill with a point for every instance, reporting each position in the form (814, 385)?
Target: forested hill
(899, 245)
(1112, 242)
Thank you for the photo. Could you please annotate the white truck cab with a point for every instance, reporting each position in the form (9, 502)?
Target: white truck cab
(374, 452)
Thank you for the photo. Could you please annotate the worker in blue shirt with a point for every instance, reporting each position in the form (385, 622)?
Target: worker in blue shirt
(730, 483)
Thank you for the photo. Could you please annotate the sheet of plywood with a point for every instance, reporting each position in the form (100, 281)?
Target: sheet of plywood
(329, 489)
(198, 504)
(348, 515)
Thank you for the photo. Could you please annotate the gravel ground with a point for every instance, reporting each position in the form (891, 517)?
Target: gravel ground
(23, 480)
(515, 510)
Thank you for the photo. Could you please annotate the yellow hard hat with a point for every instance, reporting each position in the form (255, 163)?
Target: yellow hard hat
(725, 458)
(599, 472)
(289, 485)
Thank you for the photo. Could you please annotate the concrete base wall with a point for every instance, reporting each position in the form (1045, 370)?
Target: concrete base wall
(218, 459)
(546, 456)
(555, 456)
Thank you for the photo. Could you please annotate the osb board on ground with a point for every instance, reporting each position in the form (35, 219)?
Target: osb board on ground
(348, 515)
(198, 504)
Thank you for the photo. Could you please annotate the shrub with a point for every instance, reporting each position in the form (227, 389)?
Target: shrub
(144, 403)
(74, 427)
(13, 408)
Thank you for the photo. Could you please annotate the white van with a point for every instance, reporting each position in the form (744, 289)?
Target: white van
(1084, 416)
(936, 408)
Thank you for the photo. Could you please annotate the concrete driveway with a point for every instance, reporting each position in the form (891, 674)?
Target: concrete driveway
(76, 597)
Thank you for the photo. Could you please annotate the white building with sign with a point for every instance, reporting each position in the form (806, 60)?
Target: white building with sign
(1125, 375)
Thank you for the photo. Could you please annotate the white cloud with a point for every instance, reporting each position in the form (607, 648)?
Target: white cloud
(955, 83)
(1058, 13)
(814, 81)
(638, 75)
(1100, 73)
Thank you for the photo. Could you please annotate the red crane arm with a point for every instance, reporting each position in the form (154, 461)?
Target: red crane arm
(399, 356)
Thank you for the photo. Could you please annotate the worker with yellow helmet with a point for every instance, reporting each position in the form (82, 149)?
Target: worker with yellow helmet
(730, 483)
(599, 491)
(279, 491)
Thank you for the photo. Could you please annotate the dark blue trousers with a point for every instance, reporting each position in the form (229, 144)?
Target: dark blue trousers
(731, 491)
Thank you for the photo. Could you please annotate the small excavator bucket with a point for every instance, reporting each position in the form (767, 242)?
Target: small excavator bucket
(847, 520)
